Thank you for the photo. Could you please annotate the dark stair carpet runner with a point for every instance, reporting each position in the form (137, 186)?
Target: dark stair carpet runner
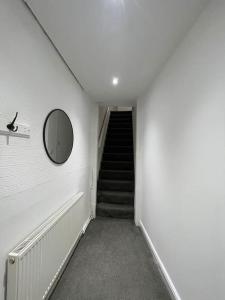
(116, 179)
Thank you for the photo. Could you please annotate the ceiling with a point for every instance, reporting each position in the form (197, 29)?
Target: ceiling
(128, 39)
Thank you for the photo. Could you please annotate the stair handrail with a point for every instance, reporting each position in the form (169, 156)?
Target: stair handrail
(103, 122)
(102, 136)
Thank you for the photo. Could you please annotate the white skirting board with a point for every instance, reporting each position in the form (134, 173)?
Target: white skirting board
(168, 281)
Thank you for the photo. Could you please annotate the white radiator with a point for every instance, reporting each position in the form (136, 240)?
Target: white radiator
(36, 263)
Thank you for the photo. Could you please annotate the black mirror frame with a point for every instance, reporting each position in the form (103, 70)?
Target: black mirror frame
(45, 146)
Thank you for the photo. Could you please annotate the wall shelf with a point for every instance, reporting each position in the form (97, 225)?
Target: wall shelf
(14, 134)
(22, 132)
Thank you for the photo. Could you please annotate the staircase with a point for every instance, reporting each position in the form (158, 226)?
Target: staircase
(116, 179)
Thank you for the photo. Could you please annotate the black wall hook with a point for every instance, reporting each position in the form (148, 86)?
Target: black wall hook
(11, 126)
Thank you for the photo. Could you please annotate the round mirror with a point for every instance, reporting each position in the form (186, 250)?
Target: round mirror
(58, 136)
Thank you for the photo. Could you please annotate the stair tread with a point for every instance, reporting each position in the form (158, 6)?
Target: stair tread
(118, 161)
(124, 155)
(124, 147)
(115, 206)
(113, 138)
(123, 131)
(119, 171)
(116, 174)
(120, 146)
(119, 153)
(108, 149)
(116, 193)
(117, 197)
(118, 156)
(116, 180)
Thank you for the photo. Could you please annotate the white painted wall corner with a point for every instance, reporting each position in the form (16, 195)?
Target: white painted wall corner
(85, 226)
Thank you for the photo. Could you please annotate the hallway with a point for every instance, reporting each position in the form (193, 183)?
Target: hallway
(112, 124)
(111, 262)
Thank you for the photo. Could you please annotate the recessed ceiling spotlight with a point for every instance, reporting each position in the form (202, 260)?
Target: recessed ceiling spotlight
(115, 81)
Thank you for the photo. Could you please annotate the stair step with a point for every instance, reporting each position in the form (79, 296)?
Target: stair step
(120, 131)
(118, 156)
(120, 120)
(115, 210)
(120, 125)
(117, 165)
(121, 113)
(123, 131)
(116, 174)
(119, 142)
(116, 185)
(118, 149)
(120, 116)
(116, 197)
(119, 136)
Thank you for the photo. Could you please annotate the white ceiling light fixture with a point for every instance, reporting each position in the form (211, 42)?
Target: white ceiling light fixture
(115, 81)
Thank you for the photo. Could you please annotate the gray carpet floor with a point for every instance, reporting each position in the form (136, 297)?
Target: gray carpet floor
(111, 262)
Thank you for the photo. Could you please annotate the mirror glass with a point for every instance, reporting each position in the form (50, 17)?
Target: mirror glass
(58, 136)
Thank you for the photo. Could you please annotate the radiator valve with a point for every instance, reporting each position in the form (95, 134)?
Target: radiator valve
(11, 260)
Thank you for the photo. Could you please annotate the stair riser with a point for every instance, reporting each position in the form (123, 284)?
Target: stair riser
(120, 133)
(113, 115)
(129, 118)
(124, 134)
(120, 130)
(112, 123)
(116, 186)
(115, 200)
(120, 116)
(118, 157)
(129, 175)
(117, 165)
(120, 126)
(124, 112)
(114, 139)
(119, 136)
(119, 142)
(124, 130)
(110, 213)
(123, 124)
(118, 149)
(120, 121)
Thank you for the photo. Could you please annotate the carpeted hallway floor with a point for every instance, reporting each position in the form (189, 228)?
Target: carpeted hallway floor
(111, 262)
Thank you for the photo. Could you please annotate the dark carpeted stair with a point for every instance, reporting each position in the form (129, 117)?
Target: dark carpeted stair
(116, 178)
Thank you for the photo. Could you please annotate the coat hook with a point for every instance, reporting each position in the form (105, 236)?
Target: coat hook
(11, 126)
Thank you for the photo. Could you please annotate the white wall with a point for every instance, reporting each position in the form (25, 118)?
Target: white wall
(183, 158)
(33, 81)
